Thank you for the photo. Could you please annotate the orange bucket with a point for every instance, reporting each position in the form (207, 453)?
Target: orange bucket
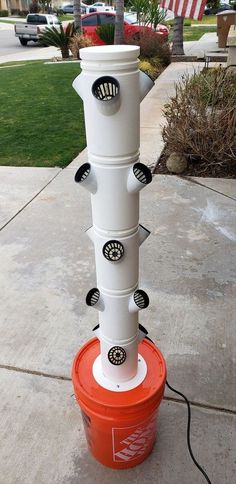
(120, 427)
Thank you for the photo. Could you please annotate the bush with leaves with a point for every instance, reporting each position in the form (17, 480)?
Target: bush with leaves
(34, 7)
(148, 12)
(106, 33)
(151, 45)
(58, 38)
(151, 69)
(77, 42)
(201, 119)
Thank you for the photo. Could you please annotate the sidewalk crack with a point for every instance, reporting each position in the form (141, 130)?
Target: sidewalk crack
(198, 405)
(204, 406)
(196, 182)
(35, 372)
(31, 200)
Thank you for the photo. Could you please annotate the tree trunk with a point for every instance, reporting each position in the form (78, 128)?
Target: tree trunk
(119, 25)
(77, 15)
(178, 45)
(65, 52)
(8, 2)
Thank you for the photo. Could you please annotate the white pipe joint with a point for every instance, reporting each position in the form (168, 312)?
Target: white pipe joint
(146, 84)
(95, 300)
(121, 183)
(118, 318)
(138, 301)
(86, 177)
(139, 176)
(119, 361)
(106, 90)
(117, 260)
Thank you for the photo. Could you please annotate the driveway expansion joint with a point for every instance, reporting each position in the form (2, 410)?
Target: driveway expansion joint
(35, 372)
(198, 405)
(189, 179)
(31, 200)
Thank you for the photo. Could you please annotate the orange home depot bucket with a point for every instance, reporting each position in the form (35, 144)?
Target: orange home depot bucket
(120, 427)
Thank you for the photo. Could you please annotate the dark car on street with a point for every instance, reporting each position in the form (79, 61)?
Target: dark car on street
(214, 10)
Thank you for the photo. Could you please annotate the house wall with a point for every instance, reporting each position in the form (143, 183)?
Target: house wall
(24, 4)
(3, 5)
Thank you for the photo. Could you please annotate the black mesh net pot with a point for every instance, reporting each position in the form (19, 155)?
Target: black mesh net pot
(142, 173)
(92, 296)
(105, 88)
(113, 250)
(141, 299)
(82, 173)
(117, 355)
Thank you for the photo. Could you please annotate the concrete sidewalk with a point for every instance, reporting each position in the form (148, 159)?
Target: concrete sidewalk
(187, 266)
(207, 43)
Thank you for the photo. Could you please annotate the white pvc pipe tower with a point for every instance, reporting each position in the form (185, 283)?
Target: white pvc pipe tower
(112, 88)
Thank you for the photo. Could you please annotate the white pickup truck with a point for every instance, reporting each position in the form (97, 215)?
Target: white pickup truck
(35, 24)
(99, 7)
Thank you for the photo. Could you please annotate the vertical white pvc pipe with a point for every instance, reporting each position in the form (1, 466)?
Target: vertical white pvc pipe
(111, 87)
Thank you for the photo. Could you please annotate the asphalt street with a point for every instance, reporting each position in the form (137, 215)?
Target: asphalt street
(11, 49)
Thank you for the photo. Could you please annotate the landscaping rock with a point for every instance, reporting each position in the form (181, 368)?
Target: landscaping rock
(176, 163)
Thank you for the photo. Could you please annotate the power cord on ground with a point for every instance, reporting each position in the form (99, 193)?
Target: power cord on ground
(188, 432)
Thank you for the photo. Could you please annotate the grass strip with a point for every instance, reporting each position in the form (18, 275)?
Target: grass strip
(41, 116)
(206, 19)
(195, 33)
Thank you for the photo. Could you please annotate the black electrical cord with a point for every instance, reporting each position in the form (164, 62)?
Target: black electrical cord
(188, 432)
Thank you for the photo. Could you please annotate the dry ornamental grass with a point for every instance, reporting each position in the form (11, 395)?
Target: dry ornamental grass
(201, 121)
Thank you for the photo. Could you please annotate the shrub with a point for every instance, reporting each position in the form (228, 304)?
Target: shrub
(58, 38)
(201, 118)
(106, 33)
(57, 11)
(23, 13)
(3, 13)
(19, 13)
(148, 12)
(151, 70)
(15, 12)
(151, 45)
(34, 7)
(77, 42)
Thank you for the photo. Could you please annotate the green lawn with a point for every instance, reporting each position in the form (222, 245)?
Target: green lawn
(41, 116)
(3, 21)
(195, 33)
(206, 19)
(65, 17)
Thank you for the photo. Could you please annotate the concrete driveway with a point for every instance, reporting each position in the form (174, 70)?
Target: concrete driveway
(187, 266)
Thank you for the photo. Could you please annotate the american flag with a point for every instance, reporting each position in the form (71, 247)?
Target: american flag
(185, 8)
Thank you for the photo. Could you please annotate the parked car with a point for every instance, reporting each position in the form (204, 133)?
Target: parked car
(95, 7)
(67, 9)
(91, 21)
(70, 8)
(214, 10)
(99, 7)
(34, 26)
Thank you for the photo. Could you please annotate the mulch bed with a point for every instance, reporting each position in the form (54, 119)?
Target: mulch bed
(198, 169)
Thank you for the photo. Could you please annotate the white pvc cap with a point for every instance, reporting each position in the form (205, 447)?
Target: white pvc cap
(110, 52)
